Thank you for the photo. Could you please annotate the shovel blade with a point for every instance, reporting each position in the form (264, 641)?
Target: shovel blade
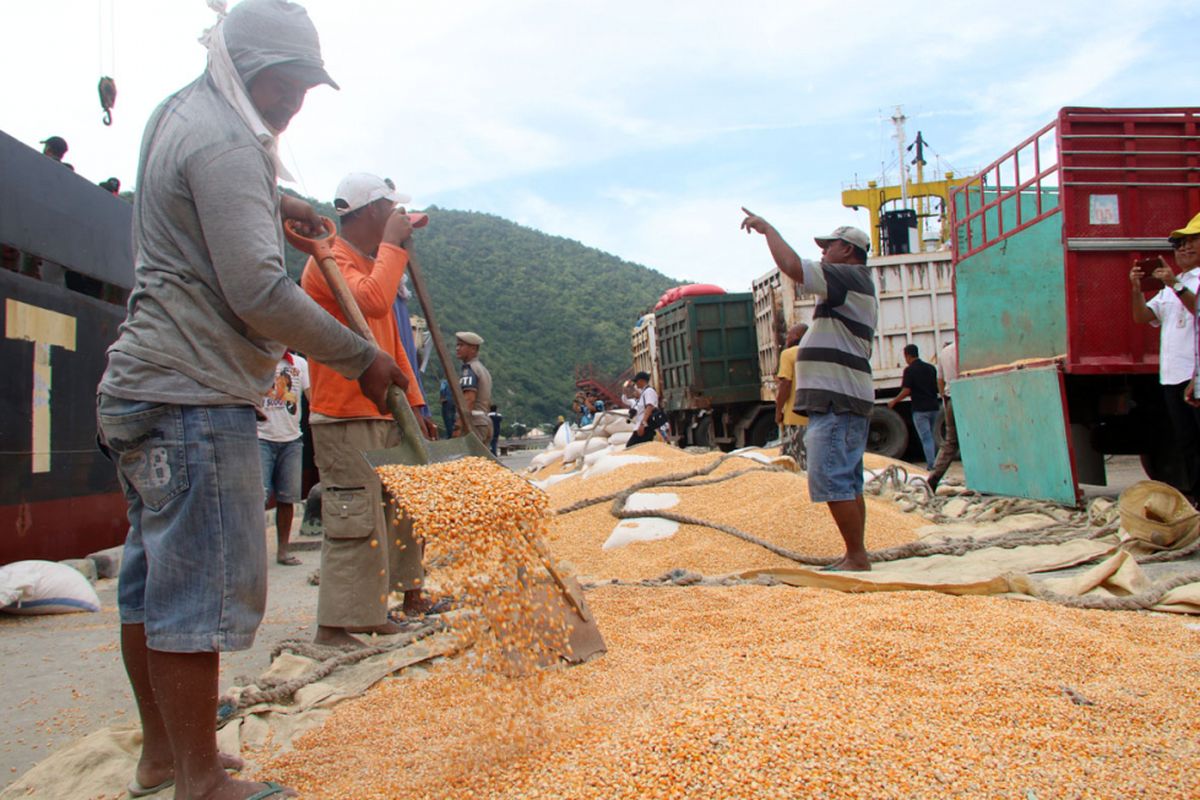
(552, 612)
(423, 451)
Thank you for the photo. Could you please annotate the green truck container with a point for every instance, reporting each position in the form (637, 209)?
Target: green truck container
(708, 365)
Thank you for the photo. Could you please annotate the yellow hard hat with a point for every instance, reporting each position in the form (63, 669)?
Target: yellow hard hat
(1192, 228)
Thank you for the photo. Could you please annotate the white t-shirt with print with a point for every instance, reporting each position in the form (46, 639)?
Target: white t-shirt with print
(282, 403)
(1177, 332)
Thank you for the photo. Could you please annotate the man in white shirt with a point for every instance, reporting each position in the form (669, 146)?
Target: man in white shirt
(281, 447)
(643, 401)
(1173, 311)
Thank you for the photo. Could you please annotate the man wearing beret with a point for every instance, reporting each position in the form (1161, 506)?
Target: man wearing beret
(476, 383)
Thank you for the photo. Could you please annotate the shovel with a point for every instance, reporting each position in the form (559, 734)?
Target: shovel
(584, 639)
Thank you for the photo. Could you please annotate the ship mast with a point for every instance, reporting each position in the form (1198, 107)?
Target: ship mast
(898, 119)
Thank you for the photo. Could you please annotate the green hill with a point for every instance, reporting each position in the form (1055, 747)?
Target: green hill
(543, 304)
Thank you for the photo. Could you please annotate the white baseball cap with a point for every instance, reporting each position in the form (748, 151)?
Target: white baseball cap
(359, 189)
(848, 234)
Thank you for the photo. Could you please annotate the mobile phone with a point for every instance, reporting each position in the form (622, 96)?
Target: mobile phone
(1147, 266)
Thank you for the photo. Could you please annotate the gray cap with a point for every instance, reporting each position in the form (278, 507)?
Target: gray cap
(848, 234)
(467, 337)
(274, 33)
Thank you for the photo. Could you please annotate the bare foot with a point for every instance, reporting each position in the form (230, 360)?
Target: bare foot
(151, 773)
(336, 637)
(388, 628)
(288, 560)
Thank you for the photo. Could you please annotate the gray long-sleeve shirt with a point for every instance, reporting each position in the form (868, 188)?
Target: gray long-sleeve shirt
(212, 305)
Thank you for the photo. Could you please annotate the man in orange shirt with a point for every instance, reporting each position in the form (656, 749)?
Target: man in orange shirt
(365, 554)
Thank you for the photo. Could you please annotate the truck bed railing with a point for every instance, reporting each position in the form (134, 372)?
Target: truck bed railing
(1012, 193)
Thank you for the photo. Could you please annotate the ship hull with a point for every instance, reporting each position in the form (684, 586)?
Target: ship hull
(59, 497)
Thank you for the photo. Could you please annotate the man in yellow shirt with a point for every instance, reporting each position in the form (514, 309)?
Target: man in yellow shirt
(791, 425)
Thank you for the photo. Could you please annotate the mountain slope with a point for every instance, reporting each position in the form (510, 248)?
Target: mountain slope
(543, 304)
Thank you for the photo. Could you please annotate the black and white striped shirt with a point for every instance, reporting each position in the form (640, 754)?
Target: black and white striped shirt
(833, 366)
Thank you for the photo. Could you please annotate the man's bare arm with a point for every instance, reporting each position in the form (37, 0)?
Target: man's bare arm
(785, 257)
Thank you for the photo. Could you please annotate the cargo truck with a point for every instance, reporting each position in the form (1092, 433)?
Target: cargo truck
(1053, 372)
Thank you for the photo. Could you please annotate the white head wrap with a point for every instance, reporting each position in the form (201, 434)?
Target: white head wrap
(225, 77)
(258, 34)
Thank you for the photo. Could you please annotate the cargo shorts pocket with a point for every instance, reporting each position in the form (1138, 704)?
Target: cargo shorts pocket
(147, 442)
(347, 513)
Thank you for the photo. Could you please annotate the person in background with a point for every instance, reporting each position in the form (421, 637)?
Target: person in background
(476, 383)
(833, 373)
(643, 399)
(366, 553)
(56, 147)
(587, 412)
(1173, 311)
(791, 425)
(112, 186)
(210, 314)
(449, 412)
(495, 416)
(920, 383)
(281, 447)
(947, 371)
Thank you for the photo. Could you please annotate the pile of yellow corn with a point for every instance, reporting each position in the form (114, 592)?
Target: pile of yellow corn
(752, 691)
(475, 516)
(770, 505)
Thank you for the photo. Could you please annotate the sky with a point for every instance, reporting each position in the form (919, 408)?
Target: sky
(639, 128)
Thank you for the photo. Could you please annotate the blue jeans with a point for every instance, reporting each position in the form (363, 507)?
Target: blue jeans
(923, 421)
(835, 444)
(282, 465)
(195, 564)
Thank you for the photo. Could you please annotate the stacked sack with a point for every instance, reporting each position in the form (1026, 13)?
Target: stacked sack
(582, 446)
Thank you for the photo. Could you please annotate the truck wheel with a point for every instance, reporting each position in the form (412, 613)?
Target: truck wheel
(762, 431)
(888, 434)
(1164, 464)
(702, 434)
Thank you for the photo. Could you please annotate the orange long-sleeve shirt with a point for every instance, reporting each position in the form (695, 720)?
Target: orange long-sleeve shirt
(374, 284)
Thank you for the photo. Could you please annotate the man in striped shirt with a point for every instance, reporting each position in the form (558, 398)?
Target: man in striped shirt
(833, 385)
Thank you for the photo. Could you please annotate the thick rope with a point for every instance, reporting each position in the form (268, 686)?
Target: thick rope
(284, 691)
(1134, 602)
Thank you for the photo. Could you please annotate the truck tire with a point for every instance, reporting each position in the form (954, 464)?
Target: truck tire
(888, 433)
(762, 431)
(701, 434)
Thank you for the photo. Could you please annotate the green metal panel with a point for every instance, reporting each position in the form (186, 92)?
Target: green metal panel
(707, 351)
(1013, 434)
(1011, 298)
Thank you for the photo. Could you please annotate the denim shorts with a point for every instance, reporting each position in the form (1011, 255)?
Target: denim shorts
(835, 444)
(282, 465)
(194, 571)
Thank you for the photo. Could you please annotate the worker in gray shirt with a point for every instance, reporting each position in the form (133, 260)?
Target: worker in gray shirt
(211, 311)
